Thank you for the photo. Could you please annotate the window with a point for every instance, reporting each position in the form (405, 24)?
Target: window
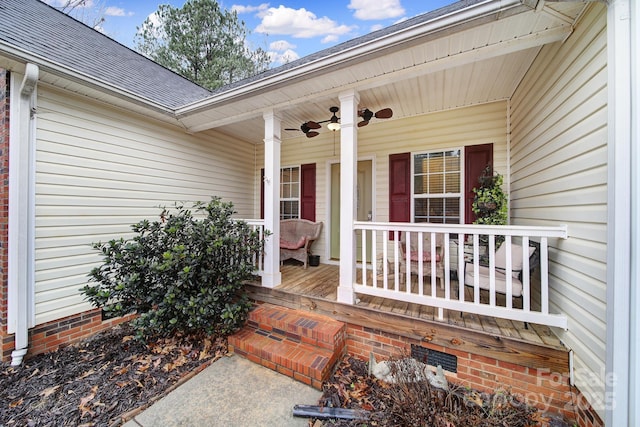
(436, 191)
(290, 192)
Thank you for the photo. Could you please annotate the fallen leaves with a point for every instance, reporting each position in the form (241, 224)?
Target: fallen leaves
(99, 379)
(416, 403)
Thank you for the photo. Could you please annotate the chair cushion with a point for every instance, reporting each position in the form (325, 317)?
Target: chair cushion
(426, 256)
(285, 244)
(516, 257)
(501, 280)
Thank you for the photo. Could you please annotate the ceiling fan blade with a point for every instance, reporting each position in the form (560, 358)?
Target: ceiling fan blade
(385, 113)
(313, 125)
(311, 134)
(363, 123)
(291, 129)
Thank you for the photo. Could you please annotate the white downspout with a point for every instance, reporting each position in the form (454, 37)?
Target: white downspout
(21, 212)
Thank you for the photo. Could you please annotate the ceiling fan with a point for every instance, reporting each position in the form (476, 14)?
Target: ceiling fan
(308, 128)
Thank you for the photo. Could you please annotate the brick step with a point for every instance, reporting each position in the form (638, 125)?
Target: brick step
(310, 328)
(298, 344)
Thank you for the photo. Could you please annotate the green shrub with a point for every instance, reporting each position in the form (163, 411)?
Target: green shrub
(180, 273)
(490, 202)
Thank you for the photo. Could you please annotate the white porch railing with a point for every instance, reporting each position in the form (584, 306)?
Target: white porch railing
(387, 271)
(257, 224)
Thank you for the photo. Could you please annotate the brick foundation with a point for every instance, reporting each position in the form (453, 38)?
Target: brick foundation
(52, 335)
(546, 390)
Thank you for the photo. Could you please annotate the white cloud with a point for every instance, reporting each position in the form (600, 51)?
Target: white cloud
(299, 23)
(280, 58)
(249, 9)
(376, 9)
(281, 45)
(376, 27)
(116, 11)
(281, 51)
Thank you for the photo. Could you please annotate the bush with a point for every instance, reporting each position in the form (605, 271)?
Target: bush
(180, 273)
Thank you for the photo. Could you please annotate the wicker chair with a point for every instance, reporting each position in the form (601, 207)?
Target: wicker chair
(296, 238)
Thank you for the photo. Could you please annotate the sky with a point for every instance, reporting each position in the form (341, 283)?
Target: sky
(287, 29)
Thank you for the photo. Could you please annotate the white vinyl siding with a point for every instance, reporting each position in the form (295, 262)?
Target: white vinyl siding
(559, 176)
(99, 170)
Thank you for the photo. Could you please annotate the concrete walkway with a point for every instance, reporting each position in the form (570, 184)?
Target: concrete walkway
(231, 392)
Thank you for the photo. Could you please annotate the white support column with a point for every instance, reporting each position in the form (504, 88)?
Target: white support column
(271, 276)
(22, 211)
(348, 182)
(621, 374)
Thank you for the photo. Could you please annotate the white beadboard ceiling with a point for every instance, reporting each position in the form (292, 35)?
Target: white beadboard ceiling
(438, 70)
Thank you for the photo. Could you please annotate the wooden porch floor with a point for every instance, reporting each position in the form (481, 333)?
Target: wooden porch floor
(314, 289)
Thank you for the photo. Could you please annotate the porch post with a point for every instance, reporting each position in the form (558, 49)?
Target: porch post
(271, 276)
(348, 170)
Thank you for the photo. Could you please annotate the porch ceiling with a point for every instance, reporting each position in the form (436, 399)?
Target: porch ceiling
(430, 68)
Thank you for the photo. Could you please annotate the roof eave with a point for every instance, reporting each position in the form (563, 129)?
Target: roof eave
(60, 70)
(309, 69)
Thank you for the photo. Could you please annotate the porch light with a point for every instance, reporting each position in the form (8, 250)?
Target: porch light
(333, 122)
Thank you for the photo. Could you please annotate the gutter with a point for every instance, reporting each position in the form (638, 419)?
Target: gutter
(22, 211)
(307, 70)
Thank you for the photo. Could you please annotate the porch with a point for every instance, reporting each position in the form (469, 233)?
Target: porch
(315, 290)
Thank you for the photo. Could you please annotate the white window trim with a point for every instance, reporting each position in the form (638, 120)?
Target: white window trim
(459, 195)
(291, 199)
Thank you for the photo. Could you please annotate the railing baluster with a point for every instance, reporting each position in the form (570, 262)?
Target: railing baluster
(544, 275)
(447, 269)
(492, 270)
(526, 286)
(461, 266)
(509, 273)
(385, 260)
(374, 258)
(476, 269)
(396, 263)
(363, 256)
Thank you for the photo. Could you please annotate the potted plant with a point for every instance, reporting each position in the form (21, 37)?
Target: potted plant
(490, 201)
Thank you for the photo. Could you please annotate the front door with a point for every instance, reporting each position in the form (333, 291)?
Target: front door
(364, 206)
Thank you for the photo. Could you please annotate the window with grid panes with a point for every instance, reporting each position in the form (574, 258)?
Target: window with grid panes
(290, 192)
(436, 188)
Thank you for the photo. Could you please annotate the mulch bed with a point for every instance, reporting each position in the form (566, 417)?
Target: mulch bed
(102, 380)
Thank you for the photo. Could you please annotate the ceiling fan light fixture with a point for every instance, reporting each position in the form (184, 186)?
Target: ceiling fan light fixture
(333, 122)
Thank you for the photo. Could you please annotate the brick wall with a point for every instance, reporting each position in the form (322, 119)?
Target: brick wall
(4, 206)
(547, 390)
(50, 336)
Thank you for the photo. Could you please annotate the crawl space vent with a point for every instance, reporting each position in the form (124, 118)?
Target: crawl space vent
(448, 362)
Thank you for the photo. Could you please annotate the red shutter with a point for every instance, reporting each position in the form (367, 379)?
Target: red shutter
(399, 188)
(476, 158)
(308, 192)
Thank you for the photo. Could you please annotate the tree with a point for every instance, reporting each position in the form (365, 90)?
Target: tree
(202, 42)
(87, 12)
